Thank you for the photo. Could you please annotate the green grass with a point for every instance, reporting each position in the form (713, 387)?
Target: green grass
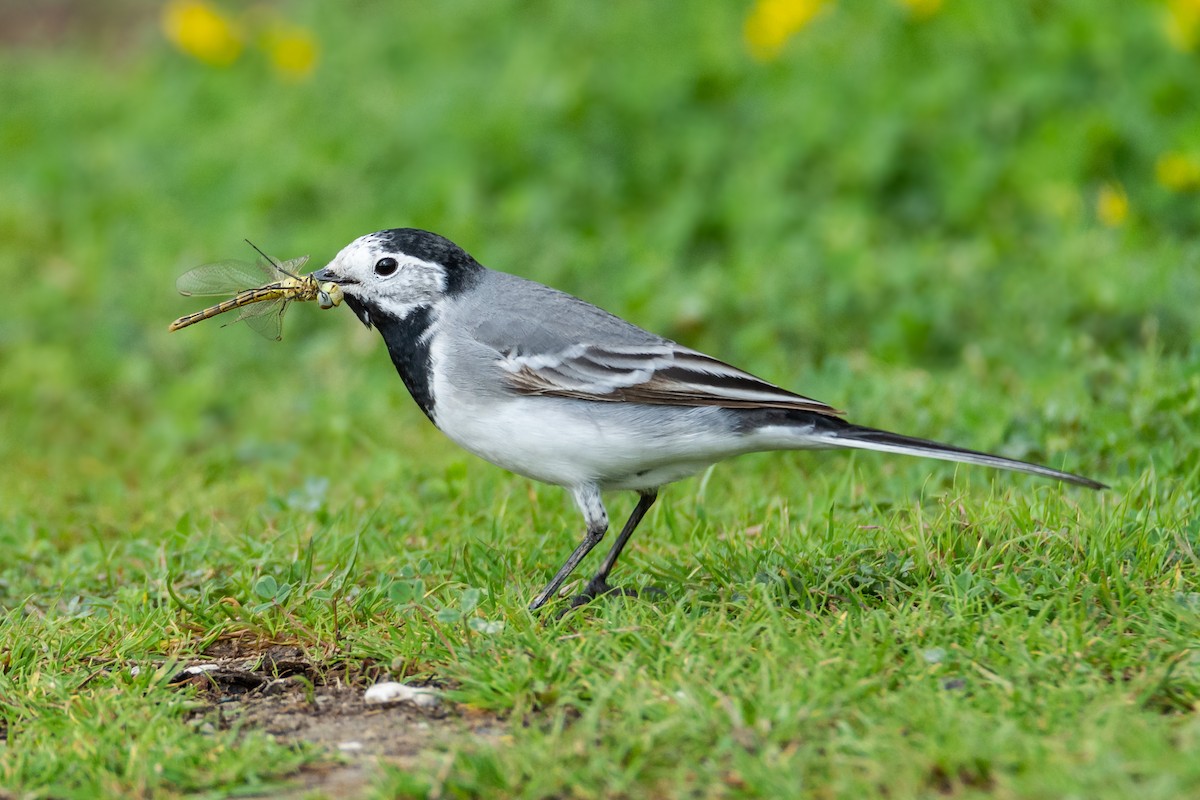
(897, 217)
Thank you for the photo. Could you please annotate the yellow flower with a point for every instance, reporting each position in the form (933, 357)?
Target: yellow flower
(1183, 24)
(292, 50)
(202, 31)
(922, 9)
(1177, 172)
(1112, 205)
(772, 22)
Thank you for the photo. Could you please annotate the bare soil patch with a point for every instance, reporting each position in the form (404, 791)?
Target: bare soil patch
(278, 689)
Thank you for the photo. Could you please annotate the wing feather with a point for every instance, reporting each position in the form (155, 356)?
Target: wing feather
(654, 374)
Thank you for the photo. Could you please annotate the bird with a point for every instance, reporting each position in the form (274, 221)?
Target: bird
(551, 387)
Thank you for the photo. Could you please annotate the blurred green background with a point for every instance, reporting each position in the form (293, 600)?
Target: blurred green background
(1009, 186)
(963, 220)
(866, 186)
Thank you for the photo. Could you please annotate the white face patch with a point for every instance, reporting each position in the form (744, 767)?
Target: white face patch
(394, 289)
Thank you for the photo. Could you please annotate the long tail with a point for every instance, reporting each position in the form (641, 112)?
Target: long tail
(861, 438)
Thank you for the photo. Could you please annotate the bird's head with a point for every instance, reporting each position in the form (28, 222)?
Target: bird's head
(395, 272)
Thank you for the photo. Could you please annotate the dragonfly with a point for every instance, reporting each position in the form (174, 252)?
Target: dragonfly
(262, 291)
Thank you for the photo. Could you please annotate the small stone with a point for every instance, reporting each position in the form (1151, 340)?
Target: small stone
(393, 692)
(349, 747)
(426, 699)
(200, 669)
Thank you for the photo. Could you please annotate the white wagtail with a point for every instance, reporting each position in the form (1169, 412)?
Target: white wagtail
(545, 385)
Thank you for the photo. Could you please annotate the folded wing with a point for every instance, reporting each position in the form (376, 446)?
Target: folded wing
(655, 374)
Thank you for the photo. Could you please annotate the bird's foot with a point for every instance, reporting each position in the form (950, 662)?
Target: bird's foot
(595, 588)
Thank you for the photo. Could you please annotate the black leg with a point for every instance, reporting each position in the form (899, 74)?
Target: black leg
(590, 540)
(589, 502)
(598, 585)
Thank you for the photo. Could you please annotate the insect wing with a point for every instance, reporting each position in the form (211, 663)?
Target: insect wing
(290, 268)
(233, 276)
(265, 318)
(225, 277)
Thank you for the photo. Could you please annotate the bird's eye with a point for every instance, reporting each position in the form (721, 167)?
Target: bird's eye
(386, 266)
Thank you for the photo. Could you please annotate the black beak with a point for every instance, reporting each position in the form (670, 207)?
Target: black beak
(326, 275)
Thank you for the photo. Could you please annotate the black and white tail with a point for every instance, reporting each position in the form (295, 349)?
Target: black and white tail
(844, 434)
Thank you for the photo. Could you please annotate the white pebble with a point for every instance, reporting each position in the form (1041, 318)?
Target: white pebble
(393, 692)
(347, 747)
(200, 669)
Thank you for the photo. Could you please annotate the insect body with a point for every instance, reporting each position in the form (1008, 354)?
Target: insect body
(261, 291)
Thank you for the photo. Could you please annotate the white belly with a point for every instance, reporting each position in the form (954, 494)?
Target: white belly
(572, 443)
